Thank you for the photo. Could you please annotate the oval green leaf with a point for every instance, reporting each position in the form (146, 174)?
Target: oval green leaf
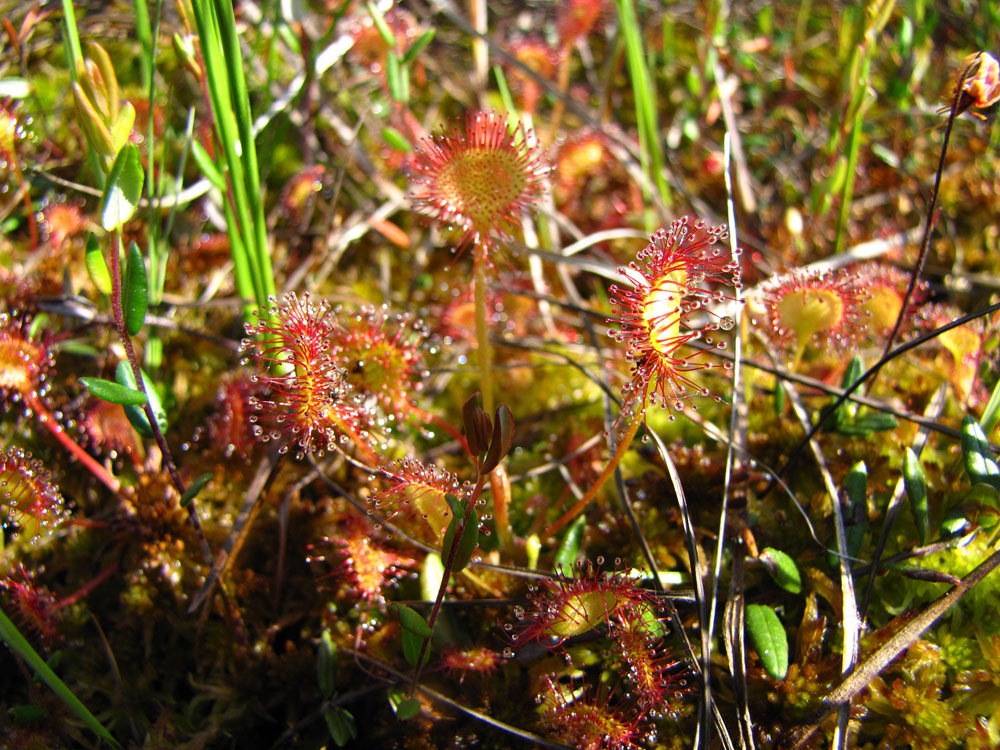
(135, 291)
(326, 664)
(783, 569)
(467, 540)
(97, 267)
(769, 639)
(340, 723)
(113, 392)
(207, 166)
(396, 140)
(856, 490)
(979, 461)
(195, 487)
(412, 620)
(569, 548)
(418, 46)
(406, 708)
(123, 190)
(136, 414)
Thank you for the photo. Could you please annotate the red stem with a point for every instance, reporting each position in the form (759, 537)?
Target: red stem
(87, 587)
(45, 417)
(428, 418)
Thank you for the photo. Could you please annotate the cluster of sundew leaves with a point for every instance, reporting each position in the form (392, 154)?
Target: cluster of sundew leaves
(246, 585)
(639, 680)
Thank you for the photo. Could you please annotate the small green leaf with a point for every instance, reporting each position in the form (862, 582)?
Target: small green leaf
(402, 705)
(78, 348)
(431, 576)
(412, 620)
(979, 460)
(20, 88)
(957, 521)
(397, 77)
(340, 724)
(383, 28)
(769, 639)
(418, 46)
(123, 190)
(869, 423)
(415, 632)
(207, 166)
(326, 664)
(783, 569)
(113, 392)
(137, 415)
(853, 372)
(978, 508)
(916, 491)
(26, 714)
(569, 548)
(396, 140)
(856, 522)
(468, 539)
(195, 487)
(412, 645)
(97, 267)
(135, 291)
(121, 128)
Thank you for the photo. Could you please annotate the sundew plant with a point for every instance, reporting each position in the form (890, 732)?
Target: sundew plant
(590, 374)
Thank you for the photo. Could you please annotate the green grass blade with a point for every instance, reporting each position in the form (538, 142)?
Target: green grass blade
(20, 646)
(244, 122)
(219, 70)
(650, 144)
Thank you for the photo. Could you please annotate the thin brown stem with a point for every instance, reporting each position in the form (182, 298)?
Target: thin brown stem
(133, 360)
(925, 243)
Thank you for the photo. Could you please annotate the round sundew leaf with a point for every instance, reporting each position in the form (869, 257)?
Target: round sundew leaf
(582, 613)
(783, 569)
(769, 639)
